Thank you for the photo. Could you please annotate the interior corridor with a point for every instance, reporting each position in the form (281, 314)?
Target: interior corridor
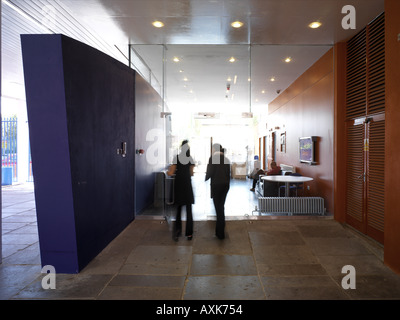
(240, 202)
(262, 258)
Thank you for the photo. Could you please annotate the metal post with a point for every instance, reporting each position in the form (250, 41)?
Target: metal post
(251, 80)
(164, 76)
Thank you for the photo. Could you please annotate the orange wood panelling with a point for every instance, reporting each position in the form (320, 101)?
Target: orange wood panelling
(306, 108)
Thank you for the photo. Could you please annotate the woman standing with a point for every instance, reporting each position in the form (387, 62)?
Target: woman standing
(219, 171)
(183, 168)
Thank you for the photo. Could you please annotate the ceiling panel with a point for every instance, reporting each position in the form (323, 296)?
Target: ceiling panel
(266, 21)
(199, 31)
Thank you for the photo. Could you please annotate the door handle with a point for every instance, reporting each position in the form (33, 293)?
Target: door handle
(362, 175)
(123, 150)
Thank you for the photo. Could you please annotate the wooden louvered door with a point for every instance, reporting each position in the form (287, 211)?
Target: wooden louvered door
(365, 175)
(375, 170)
(355, 172)
(365, 129)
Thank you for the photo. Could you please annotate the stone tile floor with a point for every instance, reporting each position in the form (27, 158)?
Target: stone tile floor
(267, 258)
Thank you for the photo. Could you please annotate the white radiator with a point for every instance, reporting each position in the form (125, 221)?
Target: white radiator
(299, 205)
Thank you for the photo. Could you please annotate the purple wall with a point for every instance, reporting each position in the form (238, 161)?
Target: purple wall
(81, 107)
(50, 151)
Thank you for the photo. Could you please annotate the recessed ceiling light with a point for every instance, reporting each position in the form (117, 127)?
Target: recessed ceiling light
(158, 24)
(272, 79)
(176, 59)
(185, 79)
(288, 59)
(263, 91)
(232, 59)
(315, 25)
(237, 24)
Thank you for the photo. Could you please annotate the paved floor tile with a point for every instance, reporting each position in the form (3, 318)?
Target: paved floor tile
(274, 237)
(291, 269)
(135, 293)
(148, 281)
(284, 254)
(224, 288)
(160, 255)
(209, 264)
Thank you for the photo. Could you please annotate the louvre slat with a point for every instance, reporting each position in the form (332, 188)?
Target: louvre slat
(378, 66)
(376, 102)
(356, 98)
(377, 83)
(376, 96)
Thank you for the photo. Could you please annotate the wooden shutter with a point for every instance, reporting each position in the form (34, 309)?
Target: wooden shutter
(376, 128)
(355, 174)
(376, 66)
(376, 182)
(356, 76)
(365, 115)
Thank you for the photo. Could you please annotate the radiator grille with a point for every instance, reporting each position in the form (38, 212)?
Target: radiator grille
(293, 205)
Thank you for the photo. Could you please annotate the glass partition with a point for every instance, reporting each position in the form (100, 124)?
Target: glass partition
(220, 93)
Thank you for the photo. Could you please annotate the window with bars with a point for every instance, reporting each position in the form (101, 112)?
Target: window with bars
(9, 146)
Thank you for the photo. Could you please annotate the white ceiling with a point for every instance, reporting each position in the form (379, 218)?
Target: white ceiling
(200, 34)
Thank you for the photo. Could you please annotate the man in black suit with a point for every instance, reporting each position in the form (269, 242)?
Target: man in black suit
(219, 171)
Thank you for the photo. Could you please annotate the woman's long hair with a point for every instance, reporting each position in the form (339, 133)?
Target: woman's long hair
(184, 155)
(185, 147)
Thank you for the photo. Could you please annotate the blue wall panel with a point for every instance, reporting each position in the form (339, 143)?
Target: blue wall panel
(81, 108)
(45, 96)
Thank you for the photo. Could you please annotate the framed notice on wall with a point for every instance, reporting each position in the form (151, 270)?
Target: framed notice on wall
(283, 142)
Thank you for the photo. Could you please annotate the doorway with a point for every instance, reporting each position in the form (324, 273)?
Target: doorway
(365, 175)
(365, 129)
